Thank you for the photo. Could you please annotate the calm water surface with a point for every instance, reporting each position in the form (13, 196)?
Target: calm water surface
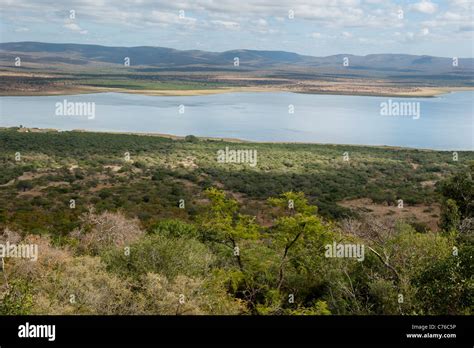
(445, 122)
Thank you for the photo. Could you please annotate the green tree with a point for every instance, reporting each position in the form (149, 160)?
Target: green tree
(191, 139)
(450, 217)
(460, 188)
(222, 223)
(446, 287)
(24, 185)
(18, 299)
(298, 226)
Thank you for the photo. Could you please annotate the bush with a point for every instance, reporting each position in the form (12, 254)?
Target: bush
(17, 299)
(184, 295)
(168, 256)
(58, 283)
(175, 228)
(446, 287)
(106, 230)
(450, 216)
(191, 139)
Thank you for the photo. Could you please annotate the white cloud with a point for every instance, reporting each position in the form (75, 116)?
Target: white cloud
(335, 23)
(331, 13)
(463, 4)
(450, 20)
(365, 40)
(75, 27)
(425, 6)
(226, 24)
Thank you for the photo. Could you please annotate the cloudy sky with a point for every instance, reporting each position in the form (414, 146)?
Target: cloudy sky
(314, 27)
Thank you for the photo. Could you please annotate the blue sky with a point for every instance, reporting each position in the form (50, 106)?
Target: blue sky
(313, 27)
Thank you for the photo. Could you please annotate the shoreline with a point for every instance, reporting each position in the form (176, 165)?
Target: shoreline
(222, 139)
(422, 92)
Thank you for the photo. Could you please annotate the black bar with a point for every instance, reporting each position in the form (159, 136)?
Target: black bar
(135, 331)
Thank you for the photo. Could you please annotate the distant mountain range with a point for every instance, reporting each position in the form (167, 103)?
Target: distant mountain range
(146, 58)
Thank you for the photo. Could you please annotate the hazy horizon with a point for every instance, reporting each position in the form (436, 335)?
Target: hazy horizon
(233, 49)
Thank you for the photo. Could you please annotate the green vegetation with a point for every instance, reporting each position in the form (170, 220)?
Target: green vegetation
(129, 224)
(149, 85)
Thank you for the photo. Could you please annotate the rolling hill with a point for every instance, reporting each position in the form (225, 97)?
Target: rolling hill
(147, 58)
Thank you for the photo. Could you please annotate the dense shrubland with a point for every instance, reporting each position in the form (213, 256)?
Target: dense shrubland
(237, 246)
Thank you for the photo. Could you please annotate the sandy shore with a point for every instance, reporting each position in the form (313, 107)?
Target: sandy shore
(419, 92)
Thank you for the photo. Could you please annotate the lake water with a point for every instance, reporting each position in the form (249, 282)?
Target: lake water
(445, 122)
